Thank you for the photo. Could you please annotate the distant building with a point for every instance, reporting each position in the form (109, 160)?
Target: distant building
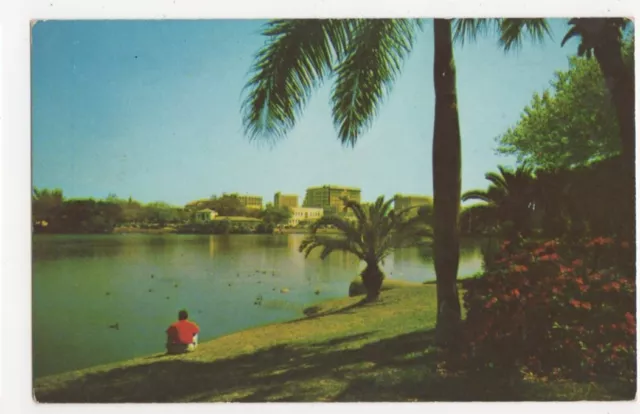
(249, 201)
(205, 215)
(402, 201)
(285, 200)
(329, 197)
(308, 214)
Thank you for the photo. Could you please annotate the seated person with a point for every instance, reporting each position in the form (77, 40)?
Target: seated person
(182, 336)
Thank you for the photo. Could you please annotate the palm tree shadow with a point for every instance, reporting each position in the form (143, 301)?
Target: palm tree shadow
(313, 312)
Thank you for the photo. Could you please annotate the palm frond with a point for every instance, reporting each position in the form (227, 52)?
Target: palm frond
(573, 32)
(469, 29)
(498, 179)
(356, 208)
(329, 245)
(512, 32)
(349, 231)
(296, 58)
(373, 60)
(481, 195)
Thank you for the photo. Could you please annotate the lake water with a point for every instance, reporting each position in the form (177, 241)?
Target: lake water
(84, 284)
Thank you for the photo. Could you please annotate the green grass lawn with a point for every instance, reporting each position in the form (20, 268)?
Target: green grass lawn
(344, 351)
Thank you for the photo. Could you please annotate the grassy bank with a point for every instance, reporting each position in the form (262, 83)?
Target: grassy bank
(344, 351)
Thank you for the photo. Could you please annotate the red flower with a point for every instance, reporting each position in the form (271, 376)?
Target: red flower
(550, 243)
(615, 285)
(555, 289)
(579, 281)
(600, 241)
(519, 268)
(516, 293)
(490, 302)
(575, 303)
(584, 288)
(595, 276)
(631, 320)
(565, 269)
(586, 305)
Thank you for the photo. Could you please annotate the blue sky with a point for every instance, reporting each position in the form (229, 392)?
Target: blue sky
(151, 109)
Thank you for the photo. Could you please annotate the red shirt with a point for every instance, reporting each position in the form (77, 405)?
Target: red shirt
(182, 332)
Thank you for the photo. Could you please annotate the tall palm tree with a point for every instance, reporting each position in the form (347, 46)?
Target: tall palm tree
(602, 38)
(377, 231)
(511, 194)
(366, 56)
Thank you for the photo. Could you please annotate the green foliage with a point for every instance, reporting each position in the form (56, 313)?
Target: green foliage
(227, 205)
(275, 215)
(570, 203)
(377, 231)
(511, 31)
(53, 214)
(509, 198)
(591, 200)
(562, 309)
(46, 204)
(591, 32)
(364, 55)
(571, 124)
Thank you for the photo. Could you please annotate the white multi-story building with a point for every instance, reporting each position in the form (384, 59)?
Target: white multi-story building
(308, 214)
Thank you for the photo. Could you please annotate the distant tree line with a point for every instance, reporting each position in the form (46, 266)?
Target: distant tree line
(52, 213)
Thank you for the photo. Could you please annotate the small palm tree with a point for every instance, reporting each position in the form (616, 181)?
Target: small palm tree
(511, 194)
(375, 233)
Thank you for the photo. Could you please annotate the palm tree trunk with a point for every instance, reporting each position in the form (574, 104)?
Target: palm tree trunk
(620, 81)
(446, 184)
(372, 278)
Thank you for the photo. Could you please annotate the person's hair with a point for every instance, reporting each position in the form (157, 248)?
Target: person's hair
(182, 315)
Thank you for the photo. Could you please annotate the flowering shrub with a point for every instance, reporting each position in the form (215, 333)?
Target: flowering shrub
(554, 309)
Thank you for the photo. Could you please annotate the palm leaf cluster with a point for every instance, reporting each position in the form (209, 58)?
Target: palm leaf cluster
(375, 232)
(510, 196)
(364, 56)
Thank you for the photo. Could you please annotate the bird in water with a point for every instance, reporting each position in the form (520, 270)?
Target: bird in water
(258, 300)
(150, 290)
(229, 284)
(107, 293)
(115, 326)
(175, 285)
(317, 291)
(167, 297)
(152, 276)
